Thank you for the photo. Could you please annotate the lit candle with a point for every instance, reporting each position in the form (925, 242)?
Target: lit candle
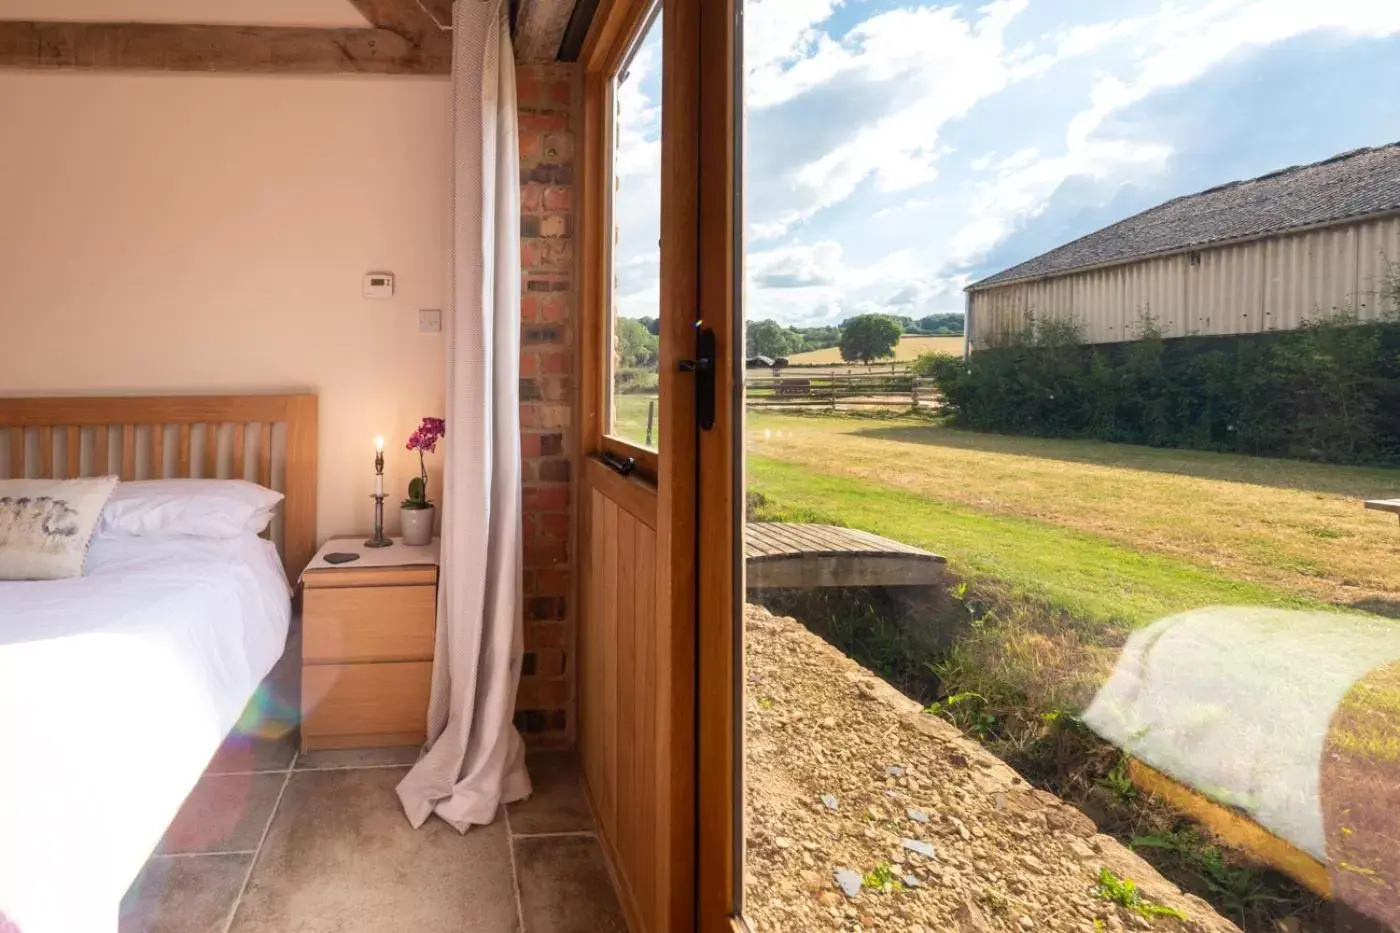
(379, 465)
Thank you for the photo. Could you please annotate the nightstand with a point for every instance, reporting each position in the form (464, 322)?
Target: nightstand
(368, 630)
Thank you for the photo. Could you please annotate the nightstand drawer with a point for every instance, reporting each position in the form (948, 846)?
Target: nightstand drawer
(369, 623)
(363, 705)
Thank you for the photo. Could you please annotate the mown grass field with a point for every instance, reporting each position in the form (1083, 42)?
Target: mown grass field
(1088, 576)
(1291, 529)
(907, 349)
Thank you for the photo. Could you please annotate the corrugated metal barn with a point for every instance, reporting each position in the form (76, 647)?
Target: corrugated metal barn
(1263, 254)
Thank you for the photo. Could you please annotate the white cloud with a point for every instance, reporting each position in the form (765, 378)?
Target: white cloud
(1022, 190)
(805, 283)
(639, 116)
(908, 207)
(931, 67)
(1176, 45)
(780, 42)
(795, 266)
(637, 200)
(1180, 42)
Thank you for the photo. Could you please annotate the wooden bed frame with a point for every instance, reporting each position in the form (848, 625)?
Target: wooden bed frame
(267, 439)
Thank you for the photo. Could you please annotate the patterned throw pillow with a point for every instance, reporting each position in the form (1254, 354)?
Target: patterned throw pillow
(45, 525)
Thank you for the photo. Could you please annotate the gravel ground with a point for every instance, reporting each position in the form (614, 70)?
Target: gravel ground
(865, 813)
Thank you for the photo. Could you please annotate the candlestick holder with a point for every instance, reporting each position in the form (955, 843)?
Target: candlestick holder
(379, 540)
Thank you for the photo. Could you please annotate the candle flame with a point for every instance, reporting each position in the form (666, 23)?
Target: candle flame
(379, 442)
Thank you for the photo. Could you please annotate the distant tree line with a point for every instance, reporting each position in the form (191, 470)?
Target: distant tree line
(1329, 390)
(771, 339)
(934, 325)
(862, 338)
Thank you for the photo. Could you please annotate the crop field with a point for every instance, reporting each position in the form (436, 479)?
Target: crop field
(908, 348)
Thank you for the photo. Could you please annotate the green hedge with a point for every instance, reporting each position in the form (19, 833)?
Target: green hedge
(1328, 391)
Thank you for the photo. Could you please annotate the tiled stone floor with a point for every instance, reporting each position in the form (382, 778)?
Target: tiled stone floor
(272, 841)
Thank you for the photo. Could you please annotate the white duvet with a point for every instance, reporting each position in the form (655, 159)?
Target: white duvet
(116, 688)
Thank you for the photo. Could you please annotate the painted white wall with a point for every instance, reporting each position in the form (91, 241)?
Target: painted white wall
(191, 233)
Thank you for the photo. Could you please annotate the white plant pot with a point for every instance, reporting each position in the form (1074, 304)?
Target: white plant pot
(417, 525)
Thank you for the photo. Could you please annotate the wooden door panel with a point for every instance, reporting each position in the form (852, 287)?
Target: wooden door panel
(619, 694)
(645, 770)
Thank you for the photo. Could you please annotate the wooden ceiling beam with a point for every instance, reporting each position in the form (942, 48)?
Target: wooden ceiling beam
(407, 16)
(240, 49)
(407, 37)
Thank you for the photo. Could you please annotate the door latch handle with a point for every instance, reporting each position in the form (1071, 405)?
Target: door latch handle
(703, 366)
(622, 465)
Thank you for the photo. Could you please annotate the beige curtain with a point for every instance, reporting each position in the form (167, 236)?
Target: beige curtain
(474, 759)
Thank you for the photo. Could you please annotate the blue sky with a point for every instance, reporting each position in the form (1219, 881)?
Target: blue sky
(898, 151)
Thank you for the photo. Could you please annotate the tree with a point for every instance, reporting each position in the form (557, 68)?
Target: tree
(868, 337)
(950, 324)
(653, 325)
(819, 338)
(771, 339)
(636, 346)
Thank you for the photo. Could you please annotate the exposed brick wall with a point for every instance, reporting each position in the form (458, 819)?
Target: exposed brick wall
(549, 112)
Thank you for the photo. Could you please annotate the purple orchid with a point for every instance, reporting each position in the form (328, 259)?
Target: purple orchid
(424, 440)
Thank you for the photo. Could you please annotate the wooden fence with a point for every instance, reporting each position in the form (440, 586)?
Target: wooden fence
(798, 390)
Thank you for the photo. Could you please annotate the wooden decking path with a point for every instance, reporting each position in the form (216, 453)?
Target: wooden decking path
(791, 555)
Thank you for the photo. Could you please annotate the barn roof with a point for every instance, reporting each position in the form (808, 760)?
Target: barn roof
(1351, 185)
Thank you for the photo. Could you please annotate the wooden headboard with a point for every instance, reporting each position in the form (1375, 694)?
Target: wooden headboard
(267, 439)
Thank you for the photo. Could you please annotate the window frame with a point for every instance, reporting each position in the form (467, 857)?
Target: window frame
(611, 43)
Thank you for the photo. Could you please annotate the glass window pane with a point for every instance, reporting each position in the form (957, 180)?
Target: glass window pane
(636, 249)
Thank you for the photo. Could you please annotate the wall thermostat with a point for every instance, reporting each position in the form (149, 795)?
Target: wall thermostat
(379, 285)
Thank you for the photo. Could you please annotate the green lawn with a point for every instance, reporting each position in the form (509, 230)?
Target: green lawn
(1089, 576)
(630, 419)
(1289, 526)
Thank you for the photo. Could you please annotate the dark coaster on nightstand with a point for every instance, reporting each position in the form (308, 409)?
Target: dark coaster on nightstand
(339, 557)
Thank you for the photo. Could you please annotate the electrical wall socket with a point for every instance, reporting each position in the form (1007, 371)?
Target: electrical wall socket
(429, 321)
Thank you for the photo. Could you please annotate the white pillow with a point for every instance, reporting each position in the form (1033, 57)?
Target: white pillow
(205, 508)
(45, 525)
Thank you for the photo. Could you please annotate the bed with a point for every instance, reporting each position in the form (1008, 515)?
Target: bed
(116, 688)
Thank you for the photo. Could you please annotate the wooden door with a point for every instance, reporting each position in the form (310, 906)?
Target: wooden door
(667, 811)
(636, 668)
(719, 520)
